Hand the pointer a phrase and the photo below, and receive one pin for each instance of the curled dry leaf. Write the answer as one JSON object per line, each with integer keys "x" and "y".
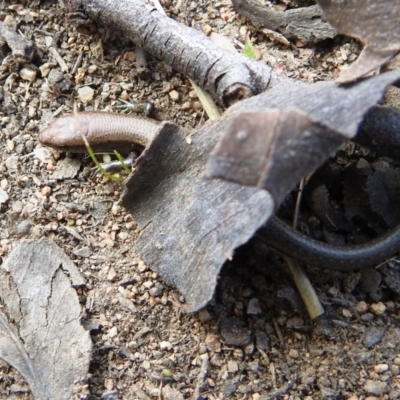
{"x": 262, "y": 148}
{"x": 375, "y": 23}
{"x": 40, "y": 331}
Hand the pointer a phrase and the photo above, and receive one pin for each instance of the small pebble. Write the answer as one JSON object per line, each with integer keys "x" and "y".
{"x": 238, "y": 353}
{"x": 92, "y": 69}
{"x": 362, "y": 163}
{"x": 27, "y": 73}
{"x": 380, "y": 368}
{"x": 204, "y": 316}
{"x": 243, "y": 32}
{"x": 48, "y": 40}
{"x": 45, "y": 69}
{"x": 235, "y": 332}
{"x": 17, "y": 206}
{"x": 249, "y": 348}
{"x": 262, "y": 341}
{"x": 212, "y": 343}
{"x": 378, "y": 308}
{"x": 373, "y": 336}
{"x": 254, "y": 308}
{"x": 148, "y": 284}
{"x": 346, "y": 313}
{"x": 126, "y": 303}
{"x": 113, "y": 332}
{"x": 112, "y": 274}
{"x": 3, "y": 196}
{"x": 174, "y": 95}
{"x": 109, "y": 383}
{"x": 156, "y": 291}
{"x": 146, "y": 364}
{"x": 24, "y": 228}
{"x": 376, "y": 387}
{"x": 233, "y": 366}
{"x": 80, "y": 75}
{"x": 55, "y": 75}
{"x": 207, "y": 30}
{"x": 362, "y": 307}
{"x": 123, "y": 235}
{"x": 85, "y": 94}
{"x": 142, "y": 266}
{"x": 395, "y": 370}
{"x": 45, "y": 191}
{"x": 10, "y": 145}
{"x": 186, "y": 106}
{"x": 333, "y": 291}
{"x": 229, "y": 388}
{"x": 165, "y": 346}
{"x": 12, "y": 163}
{"x": 108, "y": 242}
{"x": 294, "y": 322}
{"x": 294, "y": 353}
{"x": 367, "y": 317}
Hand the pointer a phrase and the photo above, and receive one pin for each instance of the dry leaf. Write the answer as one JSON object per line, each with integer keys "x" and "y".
{"x": 40, "y": 331}
{"x": 375, "y": 23}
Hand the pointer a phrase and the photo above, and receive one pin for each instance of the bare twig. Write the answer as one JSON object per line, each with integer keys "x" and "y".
{"x": 306, "y": 24}
{"x": 228, "y": 77}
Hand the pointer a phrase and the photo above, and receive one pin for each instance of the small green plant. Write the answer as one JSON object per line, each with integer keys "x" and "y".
{"x": 248, "y": 50}
{"x": 93, "y": 157}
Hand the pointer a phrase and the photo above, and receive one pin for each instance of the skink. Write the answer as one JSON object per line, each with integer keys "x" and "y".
{"x": 104, "y": 132}
{"x": 282, "y": 237}
{"x": 108, "y": 132}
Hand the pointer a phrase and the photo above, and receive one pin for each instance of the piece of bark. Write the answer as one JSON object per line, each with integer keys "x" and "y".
{"x": 306, "y": 23}
{"x": 40, "y": 331}
{"x": 375, "y": 23}
{"x": 271, "y": 149}
{"x": 278, "y": 153}
{"x": 228, "y": 77}
{"x": 188, "y": 248}
{"x": 191, "y": 225}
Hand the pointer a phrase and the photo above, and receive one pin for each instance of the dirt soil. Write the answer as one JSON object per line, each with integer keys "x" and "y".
{"x": 352, "y": 353}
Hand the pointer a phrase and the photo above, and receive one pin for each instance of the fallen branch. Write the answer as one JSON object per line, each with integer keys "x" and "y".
{"x": 228, "y": 77}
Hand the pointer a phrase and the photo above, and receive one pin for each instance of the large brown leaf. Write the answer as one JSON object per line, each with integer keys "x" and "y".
{"x": 375, "y": 23}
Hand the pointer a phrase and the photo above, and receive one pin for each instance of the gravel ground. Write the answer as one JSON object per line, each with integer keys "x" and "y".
{"x": 254, "y": 340}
